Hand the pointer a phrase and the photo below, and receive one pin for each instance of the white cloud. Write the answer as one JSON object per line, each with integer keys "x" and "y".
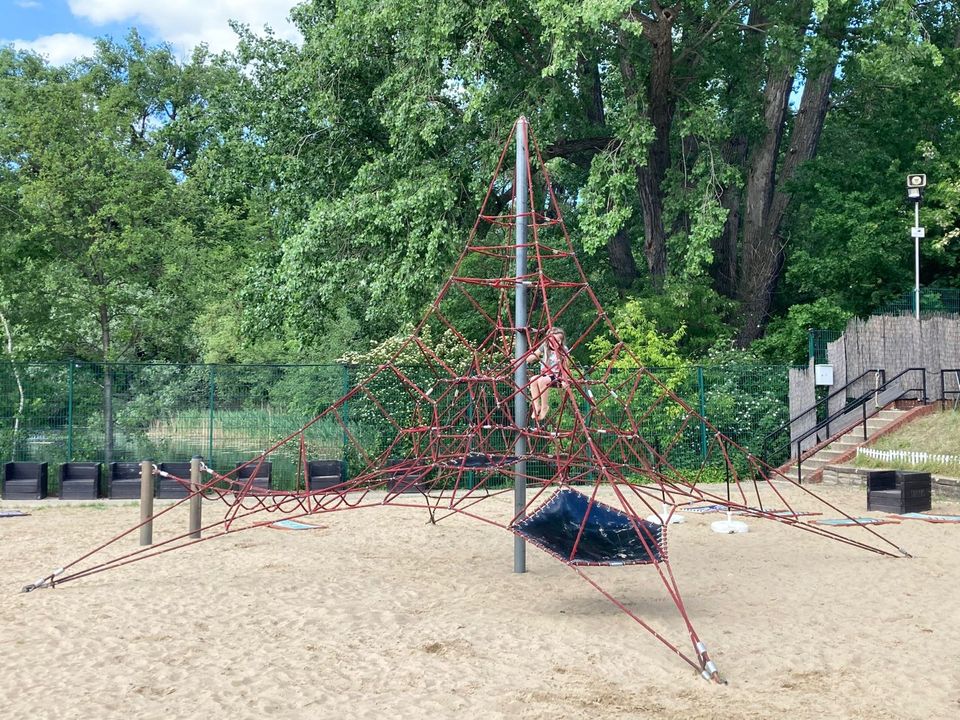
{"x": 187, "y": 23}
{"x": 28, "y": 4}
{"x": 59, "y": 48}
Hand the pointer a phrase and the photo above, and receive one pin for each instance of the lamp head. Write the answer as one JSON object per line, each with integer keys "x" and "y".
{"x": 915, "y": 185}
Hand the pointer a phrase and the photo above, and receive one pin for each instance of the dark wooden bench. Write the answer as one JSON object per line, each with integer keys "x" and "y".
{"x": 168, "y": 487}
{"x": 324, "y": 474}
{"x": 123, "y": 480}
{"x": 24, "y": 481}
{"x": 897, "y": 491}
{"x": 262, "y": 474}
{"x": 80, "y": 481}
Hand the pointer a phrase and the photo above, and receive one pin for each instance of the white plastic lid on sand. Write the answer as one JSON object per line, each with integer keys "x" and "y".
{"x": 675, "y": 519}
{"x": 729, "y": 526}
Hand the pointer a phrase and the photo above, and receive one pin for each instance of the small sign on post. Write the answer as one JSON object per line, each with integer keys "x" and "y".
{"x": 915, "y": 184}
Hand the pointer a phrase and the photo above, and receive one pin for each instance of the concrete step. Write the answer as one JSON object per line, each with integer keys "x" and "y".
{"x": 890, "y": 413}
{"x": 845, "y": 443}
{"x": 792, "y": 474}
{"x": 872, "y": 424}
{"x": 832, "y": 453}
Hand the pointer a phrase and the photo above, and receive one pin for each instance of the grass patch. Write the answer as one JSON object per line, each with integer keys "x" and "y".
{"x": 936, "y": 434}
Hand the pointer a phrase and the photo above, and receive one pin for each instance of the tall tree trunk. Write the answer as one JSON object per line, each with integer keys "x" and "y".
{"x": 761, "y": 259}
{"x": 661, "y": 104}
{"x": 763, "y": 240}
{"x": 619, "y": 247}
{"x": 659, "y": 107}
{"x": 804, "y": 140}
{"x": 735, "y": 152}
{"x": 762, "y": 256}
{"x": 8, "y": 335}
{"x": 725, "y": 245}
{"x": 591, "y": 90}
{"x": 622, "y": 262}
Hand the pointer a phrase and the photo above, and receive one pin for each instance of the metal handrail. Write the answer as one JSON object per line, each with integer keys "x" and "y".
{"x": 879, "y": 372}
{"x": 862, "y": 403}
{"x": 943, "y": 386}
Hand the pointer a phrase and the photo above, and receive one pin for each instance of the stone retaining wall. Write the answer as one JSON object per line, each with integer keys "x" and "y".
{"x": 943, "y": 488}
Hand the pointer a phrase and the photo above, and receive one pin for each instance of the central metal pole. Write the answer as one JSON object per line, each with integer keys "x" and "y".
{"x": 916, "y": 259}
{"x": 520, "y": 345}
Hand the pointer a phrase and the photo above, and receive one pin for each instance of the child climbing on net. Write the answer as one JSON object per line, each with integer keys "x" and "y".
{"x": 553, "y": 355}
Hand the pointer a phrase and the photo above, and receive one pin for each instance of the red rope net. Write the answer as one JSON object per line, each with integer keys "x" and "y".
{"x": 437, "y": 430}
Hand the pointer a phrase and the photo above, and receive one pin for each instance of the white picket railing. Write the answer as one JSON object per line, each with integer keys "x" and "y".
{"x": 908, "y": 456}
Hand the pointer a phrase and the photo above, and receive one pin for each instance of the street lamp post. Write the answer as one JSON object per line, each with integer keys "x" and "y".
{"x": 915, "y": 186}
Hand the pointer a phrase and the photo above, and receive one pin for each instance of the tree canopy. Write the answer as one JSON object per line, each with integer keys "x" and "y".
{"x": 733, "y": 168}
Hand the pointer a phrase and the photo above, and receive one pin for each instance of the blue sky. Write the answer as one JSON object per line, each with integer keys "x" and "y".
{"x": 64, "y": 29}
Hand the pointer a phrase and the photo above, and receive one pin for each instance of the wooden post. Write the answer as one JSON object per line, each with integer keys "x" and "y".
{"x": 195, "y": 497}
{"x": 146, "y": 502}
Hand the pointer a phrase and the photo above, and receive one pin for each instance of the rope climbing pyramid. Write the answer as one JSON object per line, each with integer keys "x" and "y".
{"x": 486, "y": 398}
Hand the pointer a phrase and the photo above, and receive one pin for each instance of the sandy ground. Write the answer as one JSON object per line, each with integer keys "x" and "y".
{"x": 382, "y": 615}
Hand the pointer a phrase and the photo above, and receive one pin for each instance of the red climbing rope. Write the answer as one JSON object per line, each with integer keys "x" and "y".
{"x": 439, "y": 433}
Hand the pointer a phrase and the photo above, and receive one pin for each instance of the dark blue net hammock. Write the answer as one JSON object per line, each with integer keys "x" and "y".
{"x": 610, "y": 537}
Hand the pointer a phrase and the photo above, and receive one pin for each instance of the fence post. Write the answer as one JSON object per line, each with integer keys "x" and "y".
{"x": 345, "y": 388}
{"x": 196, "y": 496}
{"x": 70, "y": 410}
{"x": 146, "y": 502}
{"x": 213, "y": 397}
{"x": 701, "y": 393}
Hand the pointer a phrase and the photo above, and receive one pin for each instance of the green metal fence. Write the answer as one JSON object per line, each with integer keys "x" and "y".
{"x": 817, "y": 341}
{"x": 933, "y": 301}
{"x": 60, "y": 412}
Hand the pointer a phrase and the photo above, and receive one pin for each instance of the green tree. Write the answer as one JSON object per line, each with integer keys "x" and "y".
{"x": 97, "y": 220}
{"x": 675, "y": 132}
{"x": 895, "y": 111}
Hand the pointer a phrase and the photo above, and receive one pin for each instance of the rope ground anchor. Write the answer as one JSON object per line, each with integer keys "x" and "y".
{"x": 709, "y": 669}
{"x": 46, "y": 581}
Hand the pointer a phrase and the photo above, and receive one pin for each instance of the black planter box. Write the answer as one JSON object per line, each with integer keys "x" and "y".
{"x": 262, "y": 481}
{"x": 123, "y": 480}
{"x": 324, "y": 474}
{"x": 170, "y": 488}
{"x": 24, "y": 481}
{"x": 896, "y": 491}
{"x": 80, "y": 481}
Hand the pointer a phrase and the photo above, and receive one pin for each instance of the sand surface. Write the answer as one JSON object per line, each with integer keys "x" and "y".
{"x": 382, "y": 615}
